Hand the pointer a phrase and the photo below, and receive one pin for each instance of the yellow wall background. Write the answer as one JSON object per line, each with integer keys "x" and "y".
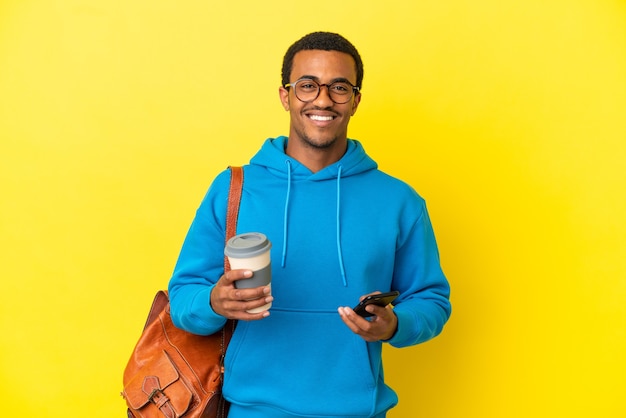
{"x": 507, "y": 116}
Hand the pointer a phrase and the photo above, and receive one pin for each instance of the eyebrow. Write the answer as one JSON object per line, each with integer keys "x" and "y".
{"x": 334, "y": 80}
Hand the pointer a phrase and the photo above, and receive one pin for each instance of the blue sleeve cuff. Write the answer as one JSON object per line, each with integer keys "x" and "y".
{"x": 200, "y": 318}
{"x": 403, "y": 332}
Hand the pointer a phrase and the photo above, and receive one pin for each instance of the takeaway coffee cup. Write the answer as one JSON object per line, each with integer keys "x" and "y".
{"x": 251, "y": 251}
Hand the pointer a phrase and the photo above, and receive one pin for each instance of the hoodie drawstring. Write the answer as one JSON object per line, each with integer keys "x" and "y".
{"x": 285, "y": 216}
{"x": 341, "y": 266}
{"x": 338, "y": 217}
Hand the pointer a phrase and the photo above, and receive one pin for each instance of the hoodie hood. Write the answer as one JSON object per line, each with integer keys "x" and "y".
{"x": 272, "y": 156}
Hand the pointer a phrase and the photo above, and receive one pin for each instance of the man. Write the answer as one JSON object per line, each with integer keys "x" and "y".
{"x": 340, "y": 229}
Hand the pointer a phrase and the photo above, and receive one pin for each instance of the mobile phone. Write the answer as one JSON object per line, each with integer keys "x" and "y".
{"x": 381, "y": 299}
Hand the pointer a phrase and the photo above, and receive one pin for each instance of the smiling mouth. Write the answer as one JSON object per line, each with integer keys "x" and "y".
{"x": 321, "y": 118}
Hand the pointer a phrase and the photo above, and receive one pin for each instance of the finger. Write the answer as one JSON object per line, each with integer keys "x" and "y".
{"x": 230, "y": 277}
{"x": 245, "y": 310}
{"x": 355, "y": 322}
{"x": 376, "y": 310}
{"x": 241, "y": 300}
{"x": 247, "y": 316}
{"x": 346, "y": 317}
{"x": 369, "y": 294}
{"x": 252, "y": 293}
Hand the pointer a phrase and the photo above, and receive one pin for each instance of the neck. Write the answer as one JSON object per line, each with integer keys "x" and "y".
{"x": 314, "y": 158}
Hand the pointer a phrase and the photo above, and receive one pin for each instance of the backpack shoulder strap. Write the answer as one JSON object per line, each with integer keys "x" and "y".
{"x": 234, "y": 198}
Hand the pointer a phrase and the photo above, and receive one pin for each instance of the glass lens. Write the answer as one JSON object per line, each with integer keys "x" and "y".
{"x": 306, "y": 90}
{"x": 340, "y": 92}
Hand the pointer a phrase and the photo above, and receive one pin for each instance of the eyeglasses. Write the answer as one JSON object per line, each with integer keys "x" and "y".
{"x": 307, "y": 90}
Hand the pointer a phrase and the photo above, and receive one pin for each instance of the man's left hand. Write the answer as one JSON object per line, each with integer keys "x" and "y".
{"x": 381, "y": 326}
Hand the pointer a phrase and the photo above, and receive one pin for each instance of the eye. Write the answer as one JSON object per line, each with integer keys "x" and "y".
{"x": 307, "y": 85}
{"x": 341, "y": 88}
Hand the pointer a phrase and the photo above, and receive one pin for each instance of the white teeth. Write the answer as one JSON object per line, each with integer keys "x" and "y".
{"x": 321, "y": 118}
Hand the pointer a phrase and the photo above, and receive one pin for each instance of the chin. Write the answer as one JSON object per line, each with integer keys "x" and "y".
{"x": 319, "y": 142}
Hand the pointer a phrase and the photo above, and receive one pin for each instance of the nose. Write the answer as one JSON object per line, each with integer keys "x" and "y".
{"x": 323, "y": 98}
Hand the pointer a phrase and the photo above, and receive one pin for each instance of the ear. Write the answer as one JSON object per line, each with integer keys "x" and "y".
{"x": 283, "y": 93}
{"x": 355, "y": 103}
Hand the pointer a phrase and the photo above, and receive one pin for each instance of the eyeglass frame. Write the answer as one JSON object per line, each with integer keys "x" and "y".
{"x": 355, "y": 89}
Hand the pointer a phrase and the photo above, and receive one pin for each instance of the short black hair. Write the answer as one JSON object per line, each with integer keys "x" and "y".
{"x": 324, "y": 41}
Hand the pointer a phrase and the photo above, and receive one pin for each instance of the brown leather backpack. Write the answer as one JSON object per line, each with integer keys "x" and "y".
{"x": 173, "y": 373}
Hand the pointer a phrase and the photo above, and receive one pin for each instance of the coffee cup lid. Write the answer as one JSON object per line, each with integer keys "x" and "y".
{"x": 245, "y": 245}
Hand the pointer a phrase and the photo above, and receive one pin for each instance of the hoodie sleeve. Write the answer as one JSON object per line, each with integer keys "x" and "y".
{"x": 200, "y": 264}
{"x": 424, "y": 303}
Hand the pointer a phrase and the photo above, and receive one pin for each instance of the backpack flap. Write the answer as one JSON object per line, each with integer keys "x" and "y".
{"x": 158, "y": 384}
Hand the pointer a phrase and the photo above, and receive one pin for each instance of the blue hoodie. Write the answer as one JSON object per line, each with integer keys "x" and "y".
{"x": 336, "y": 235}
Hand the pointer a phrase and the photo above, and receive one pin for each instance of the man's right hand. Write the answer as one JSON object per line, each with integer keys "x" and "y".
{"x": 233, "y": 303}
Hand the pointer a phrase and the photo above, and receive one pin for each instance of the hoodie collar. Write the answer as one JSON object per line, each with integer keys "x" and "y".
{"x": 272, "y": 156}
